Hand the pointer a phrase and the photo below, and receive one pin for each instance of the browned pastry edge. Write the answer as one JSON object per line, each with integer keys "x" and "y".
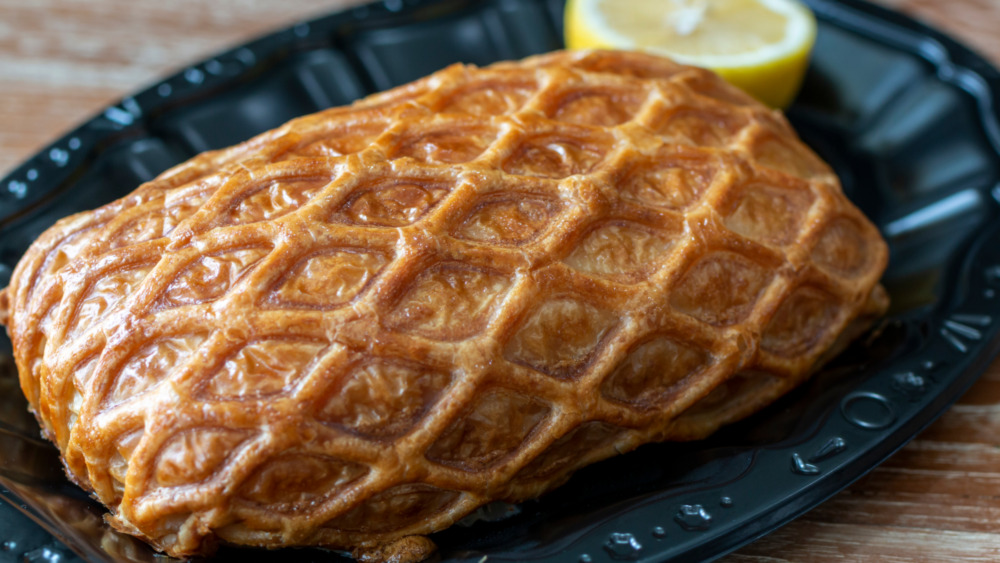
{"x": 409, "y": 549}
{"x": 4, "y": 307}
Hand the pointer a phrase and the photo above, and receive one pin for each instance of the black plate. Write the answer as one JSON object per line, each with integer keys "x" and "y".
{"x": 906, "y": 115}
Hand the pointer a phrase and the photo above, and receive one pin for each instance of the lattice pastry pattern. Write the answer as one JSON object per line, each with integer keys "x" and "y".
{"x": 369, "y": 322}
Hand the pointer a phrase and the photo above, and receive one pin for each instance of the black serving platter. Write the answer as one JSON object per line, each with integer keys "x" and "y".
{"x": 907, "y": 116}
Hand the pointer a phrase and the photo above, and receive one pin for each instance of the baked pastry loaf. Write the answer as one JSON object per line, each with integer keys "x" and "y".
{"x": 357, "y": 328}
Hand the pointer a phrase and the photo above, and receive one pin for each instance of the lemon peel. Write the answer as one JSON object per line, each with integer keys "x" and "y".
{"x": 761, "y": 46}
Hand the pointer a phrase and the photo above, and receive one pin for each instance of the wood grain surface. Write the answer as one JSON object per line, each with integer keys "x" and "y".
{"x": 938, "y": 499}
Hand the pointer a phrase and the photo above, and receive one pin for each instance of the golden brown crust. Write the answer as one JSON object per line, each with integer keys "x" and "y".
{"x": 359, "y": 327}
{"x": 4, "y": 307}
{"x": 409, "y": 549}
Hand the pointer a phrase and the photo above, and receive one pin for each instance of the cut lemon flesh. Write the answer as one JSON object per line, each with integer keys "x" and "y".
{"x": 761, "y": 46}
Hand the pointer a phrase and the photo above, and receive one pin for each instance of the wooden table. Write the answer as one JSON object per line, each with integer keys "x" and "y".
{"x": 938, "y": 499}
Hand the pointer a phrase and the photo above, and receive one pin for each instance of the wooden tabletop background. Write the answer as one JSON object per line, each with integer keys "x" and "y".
{"x": 938, "y": 499}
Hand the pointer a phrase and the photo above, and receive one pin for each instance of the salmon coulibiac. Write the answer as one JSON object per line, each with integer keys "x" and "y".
{"x": 358, "y": 328}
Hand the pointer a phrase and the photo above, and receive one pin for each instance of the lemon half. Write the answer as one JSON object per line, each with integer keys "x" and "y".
{"x": 761, "y": 46}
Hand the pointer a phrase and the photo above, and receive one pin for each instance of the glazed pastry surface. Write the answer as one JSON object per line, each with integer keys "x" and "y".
{"x": 356, "y": 329}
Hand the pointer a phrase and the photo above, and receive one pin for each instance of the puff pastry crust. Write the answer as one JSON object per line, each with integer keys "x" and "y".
{"x": 356, "y": 329}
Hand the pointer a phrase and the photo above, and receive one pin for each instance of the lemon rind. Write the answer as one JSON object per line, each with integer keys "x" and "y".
{"x": 800, "y": 34}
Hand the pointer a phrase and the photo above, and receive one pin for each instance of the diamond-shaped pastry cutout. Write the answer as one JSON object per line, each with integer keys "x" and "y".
{"x": 559, "y": 337}
{"x": 776, "y": 153}
{"x": 329, "y": 279}
{"x": 262, "y": 368}
{"x": 119, "y": 461}
{"x": 194, "y": 455}
{"x": 381, "y": 398}
{"x": 598, "y": 107}
{"x": 393, "y": 203}
{"x": 799, "y": 323}
{"x": 395, "y": 509}
{"x": 650, "y": 370}
{"x": 703, "y": 127}
{"x": 669, "y": 180}
{"x": 510, "y": 218}
{"x": 496, "y": 425}
{"x": 489, "y": 98}
{"x": 82, "y": 373}
{"x": 453, "y": 144}
{"x": 349, "y": 138}
{"x": 619, "y": 250}
{"x": 711, "y": 85}
{"x": 298, "y": 481}
{"x": 69, "y": 248}
{"x": 272, "y": 200}
{"x": 449, "y": 302}
{"x": 625, "y": 63}
{"x": 151, "y": 365}
{"x": 210, "y": 277}
{"x": 842, "y": 249}
{"x": 769, "y": 214}
{"x": 555, "y": 156}
{"x": 563, "y": 453}
{"x": 106, "y": 294}
{"x": 720, "y": 289}
{"x": 161, "y": 222}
